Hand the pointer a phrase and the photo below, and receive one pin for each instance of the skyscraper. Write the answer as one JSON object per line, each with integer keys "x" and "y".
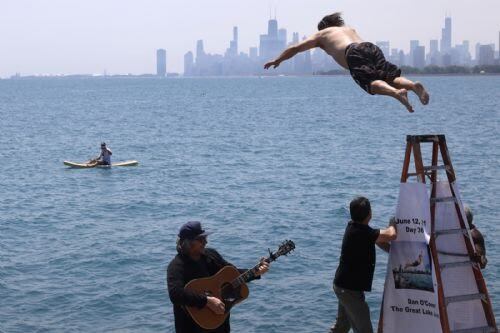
{"x": 446, "y": 36}
{"x": 413, "y": 46}
{"x": 499, "y": 45}
{"x": 402, "y": 58}
{"x": 433, "y": 52}
{"x": 235, "y": 39}
{"x": 394, "y": 58}
{"x": 200, "y": 52}
{"x": 161, "y": 62}
{"x": 232, "y": 51}
{"x": 272, "y": 28}
{"x": 462, "y": 52}
{"x": 188, "y": 63}
{"x": 271, "y": 44}
{"x": 385, "y": 47}
{"x": 476, "y": 52}
{"x": 486, "y": 55}
{"x": 282, "y": 35}
{"x": 433, "y": 47}
{"x": 302, "y": 62}
{"x": 419, "y": 57}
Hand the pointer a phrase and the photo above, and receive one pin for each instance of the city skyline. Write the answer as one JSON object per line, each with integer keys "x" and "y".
{"x": 441, "y": 52}
{"x": 119, "y": 37}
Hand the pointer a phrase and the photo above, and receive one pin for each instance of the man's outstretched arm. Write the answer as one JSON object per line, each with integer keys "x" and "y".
{"x": 305, "y": 45}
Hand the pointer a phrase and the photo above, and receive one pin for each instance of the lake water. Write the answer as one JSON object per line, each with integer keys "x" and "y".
{"x": 257, "y": 160}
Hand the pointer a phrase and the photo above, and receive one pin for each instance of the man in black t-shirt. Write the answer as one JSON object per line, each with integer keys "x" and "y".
{"x": 355, "y": 271}
{"x": 194, "y": 261}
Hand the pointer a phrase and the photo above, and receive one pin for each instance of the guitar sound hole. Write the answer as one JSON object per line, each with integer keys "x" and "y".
{"x": 230, "y": 295}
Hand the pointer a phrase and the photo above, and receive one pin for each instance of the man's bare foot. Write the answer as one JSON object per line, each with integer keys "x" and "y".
{"x": 421, "y": 93}
{"x": 402, "y": 96}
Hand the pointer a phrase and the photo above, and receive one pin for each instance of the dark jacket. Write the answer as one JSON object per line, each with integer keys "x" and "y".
{"x": 183, "y": 269}
{"x": 478, "y": 240}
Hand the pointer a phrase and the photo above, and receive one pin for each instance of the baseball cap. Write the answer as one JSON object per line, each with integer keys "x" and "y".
{"x": 192, "y": 230}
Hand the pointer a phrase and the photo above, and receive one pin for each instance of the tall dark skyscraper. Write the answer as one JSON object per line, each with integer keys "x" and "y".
{"x": 271, "y": 44}
{"x": 272, "y": 28}
{"x": 161, "y": 62}
{"x": 446, "y": 36}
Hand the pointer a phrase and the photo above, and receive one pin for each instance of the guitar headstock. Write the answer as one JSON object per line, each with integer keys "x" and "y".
{"x": 286, "y": 247}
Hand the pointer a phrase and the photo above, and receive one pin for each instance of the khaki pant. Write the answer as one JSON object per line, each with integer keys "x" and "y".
{"x": 353, "y": 312}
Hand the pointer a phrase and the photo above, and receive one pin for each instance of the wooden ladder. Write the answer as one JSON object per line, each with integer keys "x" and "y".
{"x": 422, "y": 172}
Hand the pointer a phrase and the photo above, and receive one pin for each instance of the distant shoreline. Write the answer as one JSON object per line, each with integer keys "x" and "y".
{"x": 84, "y": 76}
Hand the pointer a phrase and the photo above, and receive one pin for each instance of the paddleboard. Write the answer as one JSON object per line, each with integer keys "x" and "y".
{"x": 93, "y": 165}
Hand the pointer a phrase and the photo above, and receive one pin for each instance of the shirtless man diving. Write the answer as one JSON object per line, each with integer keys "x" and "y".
{"x": 415, "y": 263}
{"x": 364, "y": 60}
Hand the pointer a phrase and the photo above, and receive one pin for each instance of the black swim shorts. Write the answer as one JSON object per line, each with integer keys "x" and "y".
{"x": 367, "y": 63}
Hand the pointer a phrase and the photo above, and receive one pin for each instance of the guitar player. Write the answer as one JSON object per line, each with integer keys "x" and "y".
{"x": 194, "y": 261}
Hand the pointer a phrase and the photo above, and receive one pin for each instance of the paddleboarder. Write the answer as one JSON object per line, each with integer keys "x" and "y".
{"x": 105, "y": 157}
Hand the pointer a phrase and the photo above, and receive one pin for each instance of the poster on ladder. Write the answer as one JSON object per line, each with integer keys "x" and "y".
{"x": 410, "y": 302}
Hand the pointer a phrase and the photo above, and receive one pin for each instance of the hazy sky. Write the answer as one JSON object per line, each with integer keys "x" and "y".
{"x": 121, "y": 36}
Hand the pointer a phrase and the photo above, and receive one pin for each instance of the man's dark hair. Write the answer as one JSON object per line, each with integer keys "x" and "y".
{"x": 332, "y": 20}
{"x": 183, "y": 246}
{"x": 360, "y": 208}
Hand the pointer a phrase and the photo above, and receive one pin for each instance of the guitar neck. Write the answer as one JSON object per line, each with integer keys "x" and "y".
{"x": 250, "y": 274}
{"x": 285, "y": 248}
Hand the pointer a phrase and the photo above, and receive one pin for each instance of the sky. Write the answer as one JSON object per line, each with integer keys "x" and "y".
{"x": 121, "y": 36}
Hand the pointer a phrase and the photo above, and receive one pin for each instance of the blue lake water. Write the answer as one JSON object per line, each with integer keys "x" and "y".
{"x": 256, "y": 160}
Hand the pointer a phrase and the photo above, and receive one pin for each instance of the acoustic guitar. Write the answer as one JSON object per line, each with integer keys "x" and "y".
{"x": 229, "y": 286}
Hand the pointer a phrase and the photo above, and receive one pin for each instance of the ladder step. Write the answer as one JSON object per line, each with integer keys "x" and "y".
{"x": 464, "y": 298}
{"x": 456, "y": 264}
{"x": 450, "y": 232}
{"x": 453, "y": 254}
{"x": 425, "y": 138}
{"x": 435, "y": 167}
{"x": 484, "y": 329}
{"x": 443, "y": 199}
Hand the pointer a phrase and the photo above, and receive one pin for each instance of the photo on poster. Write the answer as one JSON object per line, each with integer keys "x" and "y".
{"x": 411, "y": 266}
